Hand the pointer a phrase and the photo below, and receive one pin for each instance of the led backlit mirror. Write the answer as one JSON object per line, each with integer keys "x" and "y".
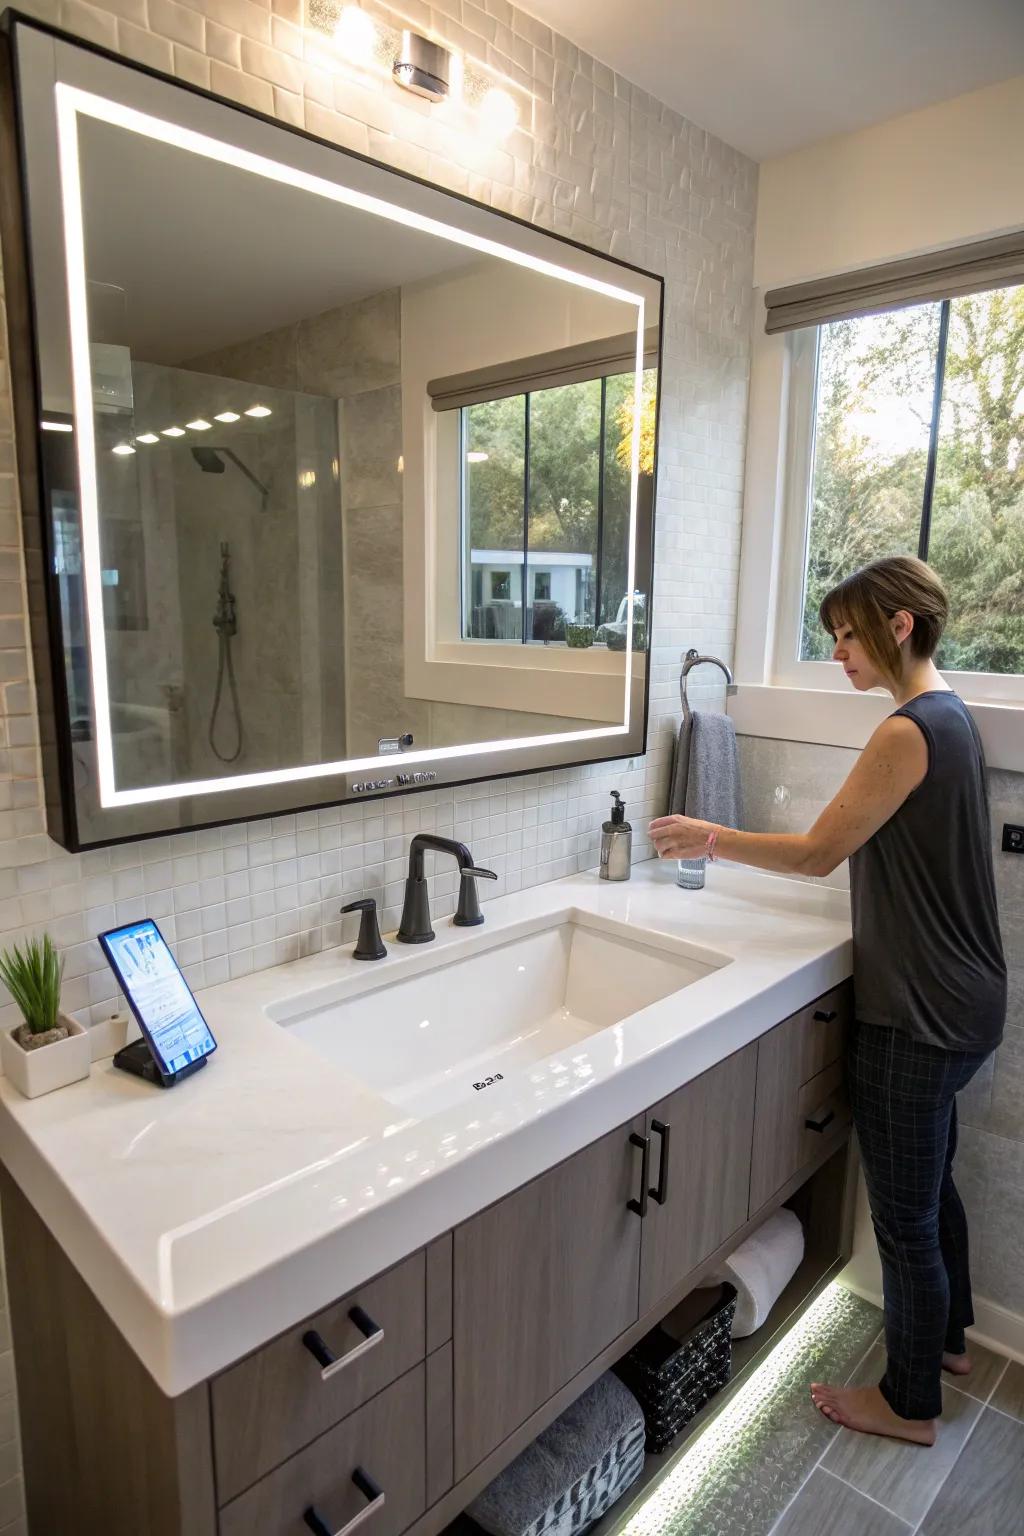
{"x": 347, "y": 483}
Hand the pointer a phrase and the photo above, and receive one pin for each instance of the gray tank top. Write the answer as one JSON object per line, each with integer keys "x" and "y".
{"x": 927, "y": 955}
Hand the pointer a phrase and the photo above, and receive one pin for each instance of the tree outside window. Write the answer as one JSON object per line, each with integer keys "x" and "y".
{"x": 919, "y": 448}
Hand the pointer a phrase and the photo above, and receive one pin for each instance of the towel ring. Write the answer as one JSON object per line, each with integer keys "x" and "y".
{"x": 694, "y": 659}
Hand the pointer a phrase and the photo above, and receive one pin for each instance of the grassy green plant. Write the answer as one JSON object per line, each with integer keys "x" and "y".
{"x": 33, "y": 976}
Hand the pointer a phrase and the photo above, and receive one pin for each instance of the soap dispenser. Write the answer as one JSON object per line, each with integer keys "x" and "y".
{"x": 616, "y": 842}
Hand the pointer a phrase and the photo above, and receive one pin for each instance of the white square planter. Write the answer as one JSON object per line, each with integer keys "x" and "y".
{"x": 52, "y": 1066}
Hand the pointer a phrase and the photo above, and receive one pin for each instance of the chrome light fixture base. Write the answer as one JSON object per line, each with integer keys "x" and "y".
{"x": 423, "y": 67}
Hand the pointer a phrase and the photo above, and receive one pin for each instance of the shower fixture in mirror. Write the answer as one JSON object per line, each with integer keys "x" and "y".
{"x": 335, "y": 483}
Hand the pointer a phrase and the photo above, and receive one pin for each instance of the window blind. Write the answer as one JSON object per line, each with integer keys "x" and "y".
{"x": 568, "y": 365}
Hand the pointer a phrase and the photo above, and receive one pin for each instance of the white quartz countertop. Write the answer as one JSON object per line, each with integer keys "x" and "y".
{"x": 210, "y": 1217}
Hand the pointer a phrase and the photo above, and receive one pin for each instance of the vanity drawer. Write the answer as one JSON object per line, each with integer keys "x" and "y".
{"x": 382, "y": 1442}
{"x": 283, "y": 1396}
{"x": 799, "y": 1072}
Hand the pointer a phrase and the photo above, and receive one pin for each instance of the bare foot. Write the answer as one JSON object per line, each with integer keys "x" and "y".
{"x": 865, "y": 1409}
{"x": 957, "y": 1365}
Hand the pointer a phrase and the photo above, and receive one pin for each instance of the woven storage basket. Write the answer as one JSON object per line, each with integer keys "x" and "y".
{"x": 673, "y": 1377}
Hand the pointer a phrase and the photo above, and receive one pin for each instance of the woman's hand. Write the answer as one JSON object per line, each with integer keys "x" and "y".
{"x": 680, "y": 837}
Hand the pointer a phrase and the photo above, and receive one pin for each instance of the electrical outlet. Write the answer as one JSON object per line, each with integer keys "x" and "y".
{"x": 1013, "y": 838}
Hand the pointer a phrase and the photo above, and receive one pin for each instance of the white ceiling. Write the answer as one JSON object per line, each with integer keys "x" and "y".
{"x": 769, "y": 76}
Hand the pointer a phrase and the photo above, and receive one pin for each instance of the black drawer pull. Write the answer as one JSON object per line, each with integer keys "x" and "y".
{"x": 644, "y": 1143}
{"x": 660, "y": 1194}
{"x": 330, "y": 1363}
{"x": 820, "y": 1122}
{"x": 366, "y": 1485}
{"x": 824, "y": 1016}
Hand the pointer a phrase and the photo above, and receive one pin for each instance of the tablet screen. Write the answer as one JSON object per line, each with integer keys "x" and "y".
{"x": 160, "y": 998}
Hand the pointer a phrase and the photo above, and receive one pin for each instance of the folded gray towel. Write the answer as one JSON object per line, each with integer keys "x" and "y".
{"x": 572, "y": 1472}
{"x": 680, "y": 769}
{"x": 713, "y": 771}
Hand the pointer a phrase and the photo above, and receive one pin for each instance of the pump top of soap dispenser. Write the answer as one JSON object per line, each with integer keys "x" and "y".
{"x": 618, "y": 815}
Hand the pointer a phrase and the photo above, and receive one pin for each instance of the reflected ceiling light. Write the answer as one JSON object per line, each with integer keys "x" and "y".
{"x": 307, "y": 479}
{"x": 356, "y": 36}
{"x": 147, "y": 437}
{"x": 199, "y": 425}
{"x": 498, "y": 114}
{"x": 122, "y": 448}
{"x": 227, "y": 416}
{"x": 71, "y": 102}
{"x": 259, "y": 410}
{"x": 477, "y": 456}
{"x": 172, "y": 432}
{"x": 56, "y": 426}
{"x": 400, "y": 466}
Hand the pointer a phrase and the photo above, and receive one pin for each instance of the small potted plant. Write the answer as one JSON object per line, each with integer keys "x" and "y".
{"x": 579, "y": 636}
{"x": 49, "y": 1049}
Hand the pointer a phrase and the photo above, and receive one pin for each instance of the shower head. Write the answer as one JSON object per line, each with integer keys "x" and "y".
{"x": 211, "y": 462}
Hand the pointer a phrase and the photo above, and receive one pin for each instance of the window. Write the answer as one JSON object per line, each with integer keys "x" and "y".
{"x": 545, "y": 495}
{"x": 918, "y": 447}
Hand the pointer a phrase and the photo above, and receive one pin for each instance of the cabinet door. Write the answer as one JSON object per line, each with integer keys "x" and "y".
{"x": 543, "y": 1281}
{"x": 700, "y": 1172}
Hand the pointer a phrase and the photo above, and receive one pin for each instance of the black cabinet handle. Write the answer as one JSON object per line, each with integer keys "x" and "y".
{"x": 660, "y": 1193}
{"x": 368, "y": 1488}
{"x": 330, "y": 1363}
{"x": 644, "y": 1143}
{"x": 820, "y": 1122}
{"x": 824, "y": 1016}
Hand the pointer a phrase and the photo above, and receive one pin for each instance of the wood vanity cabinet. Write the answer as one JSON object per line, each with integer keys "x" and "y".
{"x": 425, "y": 1382}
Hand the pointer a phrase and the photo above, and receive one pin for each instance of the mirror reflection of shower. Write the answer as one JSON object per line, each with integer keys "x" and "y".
{"x": 225, "y": 622}
{"x": 211, "y": 462}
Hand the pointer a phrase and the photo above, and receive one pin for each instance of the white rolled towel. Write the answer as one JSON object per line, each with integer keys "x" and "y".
{"x": 761, "y": 1268}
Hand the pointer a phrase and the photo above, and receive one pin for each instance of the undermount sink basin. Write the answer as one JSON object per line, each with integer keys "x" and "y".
{"x": 427, "y": 1041}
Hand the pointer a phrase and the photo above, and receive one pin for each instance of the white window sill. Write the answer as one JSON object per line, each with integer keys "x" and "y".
{"x": 828, "y": 718}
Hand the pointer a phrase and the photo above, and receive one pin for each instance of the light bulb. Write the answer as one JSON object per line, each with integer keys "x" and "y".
{"x": 356, "y": 35}
{"x": 227, "y": 416}
{"x": 259, "y": 410}
{"x": 498, "y": 114}
{"x": 147, "y": 437}
{"x": 172, "y": 431}
{"x": 199, "y": 425}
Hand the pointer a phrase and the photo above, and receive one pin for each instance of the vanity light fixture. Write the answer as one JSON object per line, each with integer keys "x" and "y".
{"x": 477, "y": 456}
{"x": 122, "y": 449}
{"x": 56, "y": 426}
{"x": 71, "y": 102}
{"x": 199, "y": 425}
{"x": 423, "y": 67}
{"x": 227, "y": 416}
{"x": 147, "y": 437}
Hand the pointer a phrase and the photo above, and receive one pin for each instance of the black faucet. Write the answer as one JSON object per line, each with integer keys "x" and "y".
{"x": 416, "y": 927}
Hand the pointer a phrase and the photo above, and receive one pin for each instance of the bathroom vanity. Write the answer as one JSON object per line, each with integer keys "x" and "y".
{"x": 292, "y": 1290}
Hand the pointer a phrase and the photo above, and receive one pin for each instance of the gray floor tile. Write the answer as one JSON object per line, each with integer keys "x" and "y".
{"x": 1009, "y": 1395}
{"x": 903, "y": 1477}
{"x": 984, "y": 1493}
{"x": 740, "y": 1474}
{"x": 988, "y": 1367}
{"x": 826, "y": 1504}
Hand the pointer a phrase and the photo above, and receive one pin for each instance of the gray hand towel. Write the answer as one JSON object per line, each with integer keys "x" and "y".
{"x": 680, "y": 770}
{"x": 712, "y": 771}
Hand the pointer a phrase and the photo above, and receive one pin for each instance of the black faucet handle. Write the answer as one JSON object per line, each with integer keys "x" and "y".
{"x": 369, "y": 945}
{"x": 469, "y": 914}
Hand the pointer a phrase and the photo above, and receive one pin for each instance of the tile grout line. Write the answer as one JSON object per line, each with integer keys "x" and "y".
{"x": 870, "y": 1498}
{"x": 982, "y": 1405}
{"x": 789, "y": 1505}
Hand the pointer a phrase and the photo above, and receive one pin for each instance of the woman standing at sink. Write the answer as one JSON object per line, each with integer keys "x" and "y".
{"x": 929, "y": 975}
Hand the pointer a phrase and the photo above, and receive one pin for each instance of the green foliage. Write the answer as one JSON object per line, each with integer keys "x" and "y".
{"x": 33, "y": 976}
{"x": 867, "y": 502}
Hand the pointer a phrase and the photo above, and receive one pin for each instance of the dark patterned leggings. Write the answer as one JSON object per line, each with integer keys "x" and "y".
{"x": 902, "y": 1093}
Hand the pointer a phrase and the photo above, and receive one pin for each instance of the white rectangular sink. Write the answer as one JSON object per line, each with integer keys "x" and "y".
{"x": 445, "y": 1034}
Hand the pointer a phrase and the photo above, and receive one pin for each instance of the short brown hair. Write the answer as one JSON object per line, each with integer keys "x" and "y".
{"x": 871, "y": 597}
